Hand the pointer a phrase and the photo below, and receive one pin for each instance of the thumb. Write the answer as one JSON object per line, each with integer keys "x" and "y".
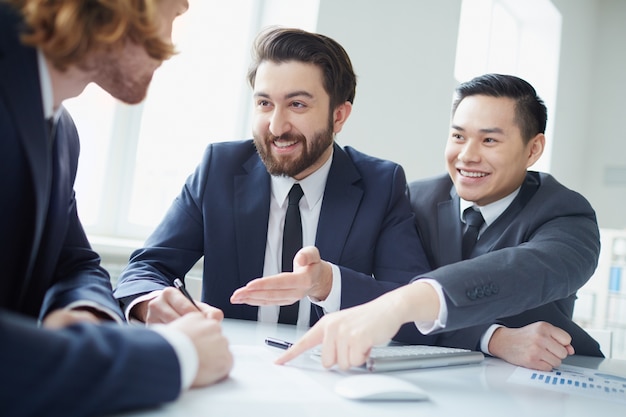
{"x": 306, "y": 256}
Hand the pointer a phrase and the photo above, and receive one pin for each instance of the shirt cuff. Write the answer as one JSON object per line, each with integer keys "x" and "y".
{"x": 333, "y": 301}
{"x": 427, "y": 327}
{"x": 86, "y": 303}
{"x": 145, "y": 297}
{"x": 185, "y": 352}
{"x": 484, "y": 340}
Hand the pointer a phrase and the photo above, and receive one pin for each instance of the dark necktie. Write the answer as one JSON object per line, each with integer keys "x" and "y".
{"x": 292, "y": 243}
{"x": 474, "y": 221}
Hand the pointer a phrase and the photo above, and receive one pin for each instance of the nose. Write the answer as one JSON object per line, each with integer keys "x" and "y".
{"x": 279, "y": 123}
{"x": 469, "y": 152}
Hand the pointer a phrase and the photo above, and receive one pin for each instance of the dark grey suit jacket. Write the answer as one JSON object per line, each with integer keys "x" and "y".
{"x": 526, "y": 266}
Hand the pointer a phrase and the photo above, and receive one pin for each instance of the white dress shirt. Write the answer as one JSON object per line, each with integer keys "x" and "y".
{"x": 310, "y": 207}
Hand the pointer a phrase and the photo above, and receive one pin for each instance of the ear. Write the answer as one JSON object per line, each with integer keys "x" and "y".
{"x": 535, "y": 148}
{"x": 340, "y": 115}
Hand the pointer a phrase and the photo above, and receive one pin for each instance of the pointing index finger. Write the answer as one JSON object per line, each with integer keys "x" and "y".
{"x": 311, "y": 339}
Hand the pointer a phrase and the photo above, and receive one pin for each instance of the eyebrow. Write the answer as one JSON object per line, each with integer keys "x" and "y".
{"x": 485, "y": 130}
{"x": 287, "y": 96}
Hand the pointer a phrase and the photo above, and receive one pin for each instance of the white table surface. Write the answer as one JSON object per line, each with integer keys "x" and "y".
{"x": 257, "y": 387}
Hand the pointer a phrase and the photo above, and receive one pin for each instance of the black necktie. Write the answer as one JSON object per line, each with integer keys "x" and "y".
{"x": 292, "y": 243}
{"x": 474, "y": 221}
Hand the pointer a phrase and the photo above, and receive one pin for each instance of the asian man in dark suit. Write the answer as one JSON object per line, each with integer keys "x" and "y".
{"x": 538, "y": 244}
{"x": 75, "y": 366}
{"x": 354, "y": 212}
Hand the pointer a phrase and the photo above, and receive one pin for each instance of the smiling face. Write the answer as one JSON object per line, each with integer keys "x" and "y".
{"x": 485, "y": 154}
{"x": 293, "y": 127}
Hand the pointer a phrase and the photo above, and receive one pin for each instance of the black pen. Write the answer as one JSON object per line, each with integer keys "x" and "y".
{"x": 179, "y": 284}
{"x": 281, "y": 344}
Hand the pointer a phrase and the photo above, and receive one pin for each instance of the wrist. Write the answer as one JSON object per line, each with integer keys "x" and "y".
{"x": 418, "y": 302}
{"x": 493, "y": 346}
{"x": 321, "y": 290}
{"x": 139, "y": 311}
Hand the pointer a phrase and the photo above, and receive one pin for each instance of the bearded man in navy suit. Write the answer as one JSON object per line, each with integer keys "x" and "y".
{"x": 356, "y": 218}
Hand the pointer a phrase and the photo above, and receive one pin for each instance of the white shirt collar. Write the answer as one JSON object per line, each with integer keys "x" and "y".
{"x": 491, "y": 211}
{"x": 312, "y": 186}
{"x": 46, "y": 86}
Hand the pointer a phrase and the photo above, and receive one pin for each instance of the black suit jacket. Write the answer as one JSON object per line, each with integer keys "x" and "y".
{"x": 47, "y": 263}
{"x": 526, "y": 266}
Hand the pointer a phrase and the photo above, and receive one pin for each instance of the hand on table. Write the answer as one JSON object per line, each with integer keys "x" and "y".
{"x": 169, "y": 305}
{"x": 216, "y": 360}
{"x": 539, "y": 345}
{"x": 311, "y": 276}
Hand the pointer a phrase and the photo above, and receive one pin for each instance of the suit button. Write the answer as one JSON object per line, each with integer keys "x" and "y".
{"x": 471, "y": 294}
{"x": 494, "y": 288}
{"x": 487, "y": 290}
{"x": 479, "y": 292}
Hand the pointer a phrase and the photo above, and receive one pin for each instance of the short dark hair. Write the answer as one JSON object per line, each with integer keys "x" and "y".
{"x": 278, "y": 45}
{"x": 531, "y": 114}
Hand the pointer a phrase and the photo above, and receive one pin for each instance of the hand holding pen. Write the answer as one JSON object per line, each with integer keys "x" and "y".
{"x": 208, "y": 311}
{"x": 179, "y": 284}
{"x": 168, "y": 305}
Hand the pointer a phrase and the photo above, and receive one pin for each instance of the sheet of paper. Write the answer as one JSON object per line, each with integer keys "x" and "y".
{"x": 257, "y": 385}
{"x": 574, "y": 380}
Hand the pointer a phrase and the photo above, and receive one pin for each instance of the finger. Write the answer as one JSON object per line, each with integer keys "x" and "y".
{"x": 306, "y": 256}
{"x": 557, "y": 347}
{"x": 283, "y": 281}
{"x": 161, "y": 309}
{"x": 341, "y": 350}
{"x": 552, "y": 361}
{"x": 310, "y": 339}
{"x": 358, "y": 357}
{"x": 179, "y": 303}
{"x": 211, "y": 312}
{"x": 561, "y": 336}
{"x": 261, "y": 298}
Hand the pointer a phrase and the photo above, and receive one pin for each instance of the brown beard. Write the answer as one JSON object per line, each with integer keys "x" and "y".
{"x": 312, "y": 151}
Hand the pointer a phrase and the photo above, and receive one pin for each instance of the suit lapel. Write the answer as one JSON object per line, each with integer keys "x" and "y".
{"x": 342, "y": 198}
{"x": 490, "y": 236}
{"x": 252, "y": 207}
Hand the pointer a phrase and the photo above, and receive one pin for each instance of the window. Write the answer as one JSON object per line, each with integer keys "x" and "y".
{"x": 134, "y": 159}
{"x": 517, "y": 38}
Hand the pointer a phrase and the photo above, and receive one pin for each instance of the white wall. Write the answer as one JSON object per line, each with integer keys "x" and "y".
{"x": 403, "y": 52}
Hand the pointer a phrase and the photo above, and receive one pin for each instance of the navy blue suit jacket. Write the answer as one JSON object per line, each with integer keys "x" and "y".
{"x": 526, "y": 266}
{"x": 365, "y": 227}
{"x": 47, "y": 264}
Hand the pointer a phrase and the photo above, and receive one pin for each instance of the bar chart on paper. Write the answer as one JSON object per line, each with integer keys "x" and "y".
{"x": 574, "y": 380}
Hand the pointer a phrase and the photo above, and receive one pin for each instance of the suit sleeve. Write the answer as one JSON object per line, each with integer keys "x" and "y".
{"x": 558, "y": 254}
{"x": 398, "y": 254}
{"x": 78, "y": 275}
{"x": 83, "y": 369}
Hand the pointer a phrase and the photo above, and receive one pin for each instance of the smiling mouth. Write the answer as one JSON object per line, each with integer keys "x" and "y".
{"x": 284, "y": 144}
{"x": 472, "y": 174}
